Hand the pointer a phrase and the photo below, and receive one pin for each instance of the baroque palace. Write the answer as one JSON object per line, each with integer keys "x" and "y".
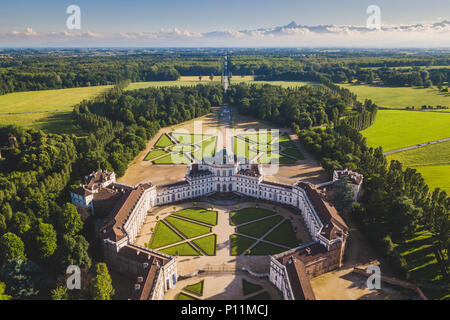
{"x": 125, "y": 208}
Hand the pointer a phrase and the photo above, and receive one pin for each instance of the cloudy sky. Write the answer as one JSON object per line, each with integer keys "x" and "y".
{"x": 240, "y": 23}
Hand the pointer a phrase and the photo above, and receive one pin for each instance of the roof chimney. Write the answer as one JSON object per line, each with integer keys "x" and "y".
{"x": 137, "y": 286}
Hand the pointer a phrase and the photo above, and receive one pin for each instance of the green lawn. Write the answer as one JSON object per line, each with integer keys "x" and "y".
{"x": 47, "y": 100}
{"x": 394, "y": 129}
{"x": 60, "y": 122}
{"x": 285, "y": 141}
{"x": 294, "y": 153}
{"x": 207, "y": 244}
{"x": 259, "y": 228}
{"x": 248, "y": 214}
{"x": 184, "y": 296}
{"x": 157, "y": 84}
{"x": 400, "y": 97}
{"x": 284, "y": 235}
{"x": 432, "y": 161}
{"x": 154, "y": 154}
{"x": 264, "y": 249}
{"x": 261, "y": 296}
{"x": 189, "y": 229}
{"x": 163, "y": 236}
{"x": 249, "y": 288}
{"x": 239, "y": 244}
{"x": 207, "y": 150}
{"x": 241, "y": 149}
{"x": 163, "y": 141}
{"x": 196, "y": 288}
{"x": 26, "y": 109}
{"x": 199, "y": 214}
{"x": 184, "y": 249}
{"x": 182, "y": 148}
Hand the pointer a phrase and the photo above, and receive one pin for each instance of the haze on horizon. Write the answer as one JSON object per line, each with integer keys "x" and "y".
{"x": 250, "y": 23}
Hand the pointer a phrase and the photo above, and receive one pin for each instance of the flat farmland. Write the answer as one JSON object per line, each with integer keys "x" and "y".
{"x": 395, "y": 129}
{"x": 48, "y": 110}
{"x": 177, "y": 83}
{"x": 400, "y": 97}
{"x": 433, "y": 162}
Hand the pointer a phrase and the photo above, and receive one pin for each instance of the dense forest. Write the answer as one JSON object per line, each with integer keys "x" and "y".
{"x": 303, "y": 107}
{"x": 25, "y": 73}
{"x": 398, "y": 70}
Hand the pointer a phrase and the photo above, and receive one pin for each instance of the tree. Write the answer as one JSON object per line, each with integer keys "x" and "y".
{"x": 42, "y": 240}
{"x": 404, "y": 218}
{"x": 60, "y": 293}
{"x": 101, "y": 285}
{"x": 21, "y": 277}
{"x": 11, "y": 247}
{"x": 3, "y": 295}
{"x": 343, "y": 194}
{"x": 70, "y": 220}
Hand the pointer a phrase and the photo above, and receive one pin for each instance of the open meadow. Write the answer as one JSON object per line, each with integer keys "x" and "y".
{"x": 400, "y": 97}
{"x": 48, "y": 110}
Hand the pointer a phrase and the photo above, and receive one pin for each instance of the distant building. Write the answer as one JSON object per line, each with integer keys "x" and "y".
{"x": 127, "y": 206}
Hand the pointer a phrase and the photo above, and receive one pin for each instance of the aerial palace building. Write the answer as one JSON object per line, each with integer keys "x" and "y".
{"x": 125, "y": 207}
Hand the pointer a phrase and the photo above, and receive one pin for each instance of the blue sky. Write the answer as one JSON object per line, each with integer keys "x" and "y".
{"x": 195, "y": 16}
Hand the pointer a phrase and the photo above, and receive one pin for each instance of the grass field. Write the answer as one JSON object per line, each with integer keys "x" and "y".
{"x": 154, "y": 154}
{"x": 207, "y": 244}
{"x": 395, "y": 129}
{"x": 48, "y": 110}
{"x": 422, "y": 263}
{"x": 259, "y": 228}
{"x": 248, "y": 214}
{"x": 158, "y": 84}
{"x": 432, "y": 161}
{"x": 60, "y": 122}
{"x": 163, "y": 141}
{"x": 196, "y": 288}
{"x": 284, "y": 235}
{"x": 177, "y": 159}
{"x": 163, "y": 236}
{"x": 261, "y": 296}
{"x": 184, "y": 296}
{"x": 189, "y": 229}
{"x": 239, "y": 244}
{"x": 249, "y": 288}
{"x": 47, "y": 100}
{"x": 199, "y": 214}
{"x": 400, "y": 97}
{"x": 294, "y": 153}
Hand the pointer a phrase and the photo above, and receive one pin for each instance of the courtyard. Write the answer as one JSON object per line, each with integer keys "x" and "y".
{"x": 205, "y": 237}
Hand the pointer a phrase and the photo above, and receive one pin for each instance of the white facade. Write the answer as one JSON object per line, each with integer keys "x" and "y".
{"x": 205, "y": 179}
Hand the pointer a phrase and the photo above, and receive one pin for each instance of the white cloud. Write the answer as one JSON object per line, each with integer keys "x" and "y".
{"x": 415, "y": 35}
